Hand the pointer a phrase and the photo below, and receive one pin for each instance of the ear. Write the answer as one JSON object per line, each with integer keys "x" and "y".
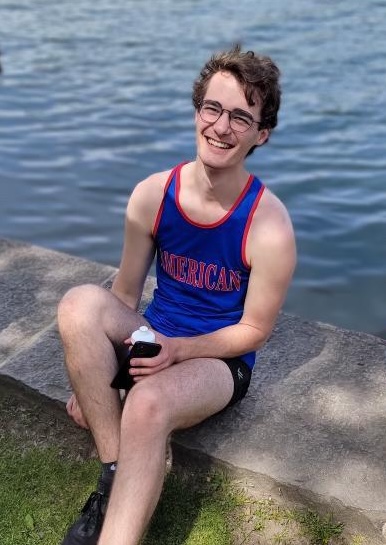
{"x": 262, "y": 137}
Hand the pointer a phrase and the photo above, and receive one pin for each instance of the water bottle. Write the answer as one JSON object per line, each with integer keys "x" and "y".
{"x": 143, "y": 334}
{"x": 143, "y": 346}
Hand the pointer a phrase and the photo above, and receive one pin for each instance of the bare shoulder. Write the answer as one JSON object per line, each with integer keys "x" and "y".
{"x": 147, "y": 195}
{"x": 272, "y": 219}
{"x": 151, "y": 188}
{"x": 271, "y": 232}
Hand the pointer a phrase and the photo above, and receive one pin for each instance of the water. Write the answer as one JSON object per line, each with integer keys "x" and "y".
{"x": 94, "y": 96}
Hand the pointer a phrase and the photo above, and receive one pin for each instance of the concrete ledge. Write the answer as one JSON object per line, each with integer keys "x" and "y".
{"x": 313, "y": 421}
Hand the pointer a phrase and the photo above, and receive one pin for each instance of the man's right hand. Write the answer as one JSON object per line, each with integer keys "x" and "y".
{"x": 75, "y": 412}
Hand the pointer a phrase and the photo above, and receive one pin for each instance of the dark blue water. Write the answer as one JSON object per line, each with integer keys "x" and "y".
{"x": 95, "y": 95}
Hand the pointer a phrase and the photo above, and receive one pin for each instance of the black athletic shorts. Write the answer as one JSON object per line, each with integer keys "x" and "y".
{"x": 241, "y": 374}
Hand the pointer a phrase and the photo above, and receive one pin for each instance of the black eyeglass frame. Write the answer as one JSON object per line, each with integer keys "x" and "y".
{"x": 229, "y": 112}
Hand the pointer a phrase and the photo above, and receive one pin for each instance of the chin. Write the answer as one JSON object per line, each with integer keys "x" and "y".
{"x": 217, "y": 165}
{"x": 216, "y": 158}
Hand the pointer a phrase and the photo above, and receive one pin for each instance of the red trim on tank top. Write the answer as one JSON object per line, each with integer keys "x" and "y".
{"x": 221, "y": 220}
{"x": 161, "y": 206}
{"x": 248, "y": 225}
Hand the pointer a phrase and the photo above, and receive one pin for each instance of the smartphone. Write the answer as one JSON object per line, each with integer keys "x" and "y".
{"x": 141, "y": 349}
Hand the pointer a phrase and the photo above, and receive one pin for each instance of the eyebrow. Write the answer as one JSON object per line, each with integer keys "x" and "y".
{"x": 237, "y": 110}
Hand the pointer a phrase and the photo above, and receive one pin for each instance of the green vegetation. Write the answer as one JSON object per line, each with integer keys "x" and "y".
{"x": 44, "y": 483}
{"x": 39, "y": 493}
{"x": 320, "y": 530}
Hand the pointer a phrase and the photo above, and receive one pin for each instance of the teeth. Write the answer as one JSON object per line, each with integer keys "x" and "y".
{"x": 217, "y": 144}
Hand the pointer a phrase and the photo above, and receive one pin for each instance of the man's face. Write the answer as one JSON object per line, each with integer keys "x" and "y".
{"x": 219, "y": 144}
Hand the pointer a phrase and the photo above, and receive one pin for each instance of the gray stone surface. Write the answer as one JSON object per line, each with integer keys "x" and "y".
{"x": 32, "y": 281}
{"x": 314, "y": 418}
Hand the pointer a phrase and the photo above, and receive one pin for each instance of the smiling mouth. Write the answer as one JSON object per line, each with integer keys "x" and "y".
{"x": 217, "y": 144}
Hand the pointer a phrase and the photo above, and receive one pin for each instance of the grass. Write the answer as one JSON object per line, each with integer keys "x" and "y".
{"x": 319, "y": 529}
{"x": 39, "y": 493}
{"x": 46, "y": 475}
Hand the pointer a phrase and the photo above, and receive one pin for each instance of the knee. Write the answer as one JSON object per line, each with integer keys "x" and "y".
{"x": 146, "y": 407}
{"x": 77, "y": 307}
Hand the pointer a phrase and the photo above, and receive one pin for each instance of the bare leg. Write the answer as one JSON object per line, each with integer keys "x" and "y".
{"x": 177, "y": 397}
{"x": 91, "y": 322}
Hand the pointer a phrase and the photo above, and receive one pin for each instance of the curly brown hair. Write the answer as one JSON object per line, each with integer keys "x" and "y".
{"x": 257, "y": 74}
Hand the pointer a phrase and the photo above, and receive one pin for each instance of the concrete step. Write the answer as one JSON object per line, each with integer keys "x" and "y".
{"x": 312, "y": 425}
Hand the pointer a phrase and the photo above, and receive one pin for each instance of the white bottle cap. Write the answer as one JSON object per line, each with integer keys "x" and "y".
{"x": 143, "y": 334}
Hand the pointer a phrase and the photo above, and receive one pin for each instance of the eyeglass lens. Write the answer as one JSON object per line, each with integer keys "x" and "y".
{"x": 238, "y": 119}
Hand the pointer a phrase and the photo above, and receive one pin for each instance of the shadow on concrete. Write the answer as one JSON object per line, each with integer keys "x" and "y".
{"x": 313, "y": 419}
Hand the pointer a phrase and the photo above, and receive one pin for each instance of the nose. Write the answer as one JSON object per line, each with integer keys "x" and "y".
{"x": 222, "y": 125}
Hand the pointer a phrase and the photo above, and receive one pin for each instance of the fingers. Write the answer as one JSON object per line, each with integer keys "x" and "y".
{"x": 147, "y": 362}
{"x": 143, "y": 367}
{"x": 144, "y": 371}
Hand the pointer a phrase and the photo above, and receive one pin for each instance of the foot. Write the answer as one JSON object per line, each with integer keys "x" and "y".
{"x": 75, "y": 412}
{"x": 86, "y": 530}
{"x": 169, "y": 456}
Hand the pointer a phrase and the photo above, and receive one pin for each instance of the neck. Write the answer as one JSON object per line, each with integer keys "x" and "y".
{"x": 227, "y": 182}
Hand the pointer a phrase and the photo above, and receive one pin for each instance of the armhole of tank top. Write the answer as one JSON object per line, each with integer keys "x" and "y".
{"x": 161, "y": 206}
{"x": 248, "y": 225}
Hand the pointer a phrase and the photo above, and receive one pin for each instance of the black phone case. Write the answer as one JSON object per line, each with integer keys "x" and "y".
{"x": 141, "y": 349}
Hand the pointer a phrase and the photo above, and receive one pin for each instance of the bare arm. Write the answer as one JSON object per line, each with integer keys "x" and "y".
{"x": 271, "y": 252}
{"x": 272, "y": 255}
{"x": 137, "y": 255}
{"x": 138, "y": 247}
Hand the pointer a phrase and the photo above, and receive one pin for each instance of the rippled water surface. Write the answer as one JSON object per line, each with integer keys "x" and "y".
{"x": 94, "y": 96}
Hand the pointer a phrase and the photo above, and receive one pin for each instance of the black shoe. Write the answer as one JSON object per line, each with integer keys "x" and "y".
{"x": 86, "y": 530}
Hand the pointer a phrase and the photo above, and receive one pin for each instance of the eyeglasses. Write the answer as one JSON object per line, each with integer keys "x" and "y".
{"x": 239, "y": 120}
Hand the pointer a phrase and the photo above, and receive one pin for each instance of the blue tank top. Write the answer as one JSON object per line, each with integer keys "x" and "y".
{"x": 202, "y": 273}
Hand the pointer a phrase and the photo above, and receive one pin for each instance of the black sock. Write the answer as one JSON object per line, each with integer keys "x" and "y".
{"x": 106, "y": 477}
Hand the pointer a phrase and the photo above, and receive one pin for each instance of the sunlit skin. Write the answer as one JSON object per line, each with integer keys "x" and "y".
{"x": 188, "y": 381}
{"x": 225, "y": 89}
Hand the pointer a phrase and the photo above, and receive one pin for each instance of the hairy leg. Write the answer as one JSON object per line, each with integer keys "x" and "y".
{"x": 178, "y": 397}
{"x": 92, "y": 321}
